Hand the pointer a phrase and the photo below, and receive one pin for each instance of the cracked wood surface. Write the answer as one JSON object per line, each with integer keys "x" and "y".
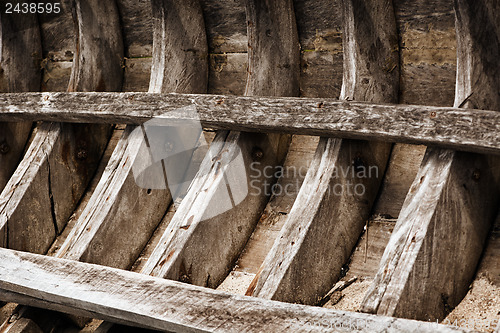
{"x": 454, "y": 198}
{"x": 21, "y": 52}
{"x": 320, "y": 232}
{"x": 218, "y": 214}
{"x": 140, "y": 300}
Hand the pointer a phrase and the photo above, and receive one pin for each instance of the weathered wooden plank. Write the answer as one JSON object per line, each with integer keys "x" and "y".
{"x": 137, "y": 23}
{"x": 226, "y": 25}
{"x": 127, "y": 297}
{"x": 329, "y": 213}
{"x": 48, "y": 183}
{"x": 428, "y": 51}
{"x": 21, "y": 52}
{"x": 283, "y": 194}
{"x": 462, "y": 129}
{"x": 454, "y": 198}
{"x": 218, "y": 214}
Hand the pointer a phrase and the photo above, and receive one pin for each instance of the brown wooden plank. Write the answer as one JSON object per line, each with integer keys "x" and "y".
{"x": 320, "y": 231}
{"x": 218, "y": 214}
{"x": 454, "y": 198}
{"x": 137, "y": 299}
{"x": 417, "y": 124}
{"x": 21, "y": 52}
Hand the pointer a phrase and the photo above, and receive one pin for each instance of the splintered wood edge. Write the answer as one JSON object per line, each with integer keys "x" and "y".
{"x": 417, "y": 278}
{"x": 132, "y": 298}
{"x": 307, "y": 256}
{"x": 461, "y": 129}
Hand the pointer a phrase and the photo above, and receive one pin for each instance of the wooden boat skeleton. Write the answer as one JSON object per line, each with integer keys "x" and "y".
{"x": 74, "y": 218}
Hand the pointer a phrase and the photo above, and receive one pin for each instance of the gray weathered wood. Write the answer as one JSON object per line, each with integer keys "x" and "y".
{"x": 461, "y": 129}
{"x": 140, "y": 300}
{"x": 454, "y": 198}
{"x": 41, "y": 195}
{"x": 329, "y": 214}
{"x": 218, "y": 214}
{"x": 21, "y": 52}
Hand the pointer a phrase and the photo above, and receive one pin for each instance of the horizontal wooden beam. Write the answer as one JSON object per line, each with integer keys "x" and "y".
{"x": 460, "y": 129}
{"x": 126, "y": 297}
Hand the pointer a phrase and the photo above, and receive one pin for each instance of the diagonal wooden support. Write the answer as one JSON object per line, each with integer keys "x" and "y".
{"x": 343, "y": 179}
{"x": 21, "y": 52}
{"x": 61, "y": 160}
{"x": 226, "y": 199}
{"x": 48, "y": 183}
{"x": 120, "y": 216}
{"x": 139, "y": 300}
{"x": 119, "y": 203}
{"x": 434, "y": 250}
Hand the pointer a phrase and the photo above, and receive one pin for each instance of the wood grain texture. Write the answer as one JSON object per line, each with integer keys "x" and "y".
{"x": 136, "y": 299}
{"x": 220, "y": 210}
{"x": 49, "y": 181}
{"x": 462, "y": 129}
{"x": 21, "y": 52}
{"x": 320, "y": 232}
{"x": 427, "y": 41}
{"x": 428, "y": 51}
{"x": 454, "y": 198}
{"x": 226, "y": 26}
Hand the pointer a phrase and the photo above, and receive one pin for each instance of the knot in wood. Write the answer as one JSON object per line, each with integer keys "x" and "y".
{"x": 476, "y": 174}
{"x": 257, "y": 153}
{"x": 4, "y": 148}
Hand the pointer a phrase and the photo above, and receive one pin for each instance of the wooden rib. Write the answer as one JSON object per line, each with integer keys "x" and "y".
{"x": 179, "y": 65}
{"x": 48, "y": 183}
{"x": 21, "y": 52}
{"x": 120, "y": 216}
{"x": 40, "y": 197}
{"x": 221, "y": 208}
{"x": 461, "y": 129}
{"x": 139, "y": 300}
{"x": 325, "y": 222}
{"x": 432, "y": 255}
